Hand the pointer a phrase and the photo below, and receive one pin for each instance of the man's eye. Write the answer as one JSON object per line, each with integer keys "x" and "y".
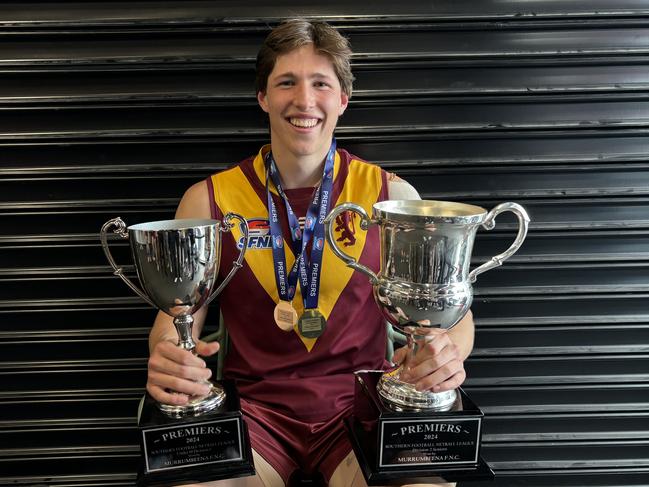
{"x": 321, "y": 84}
{"x": 286, "y": 83}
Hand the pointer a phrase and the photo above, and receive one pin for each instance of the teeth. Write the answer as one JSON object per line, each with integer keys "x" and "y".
{"x": 304, "y": 122}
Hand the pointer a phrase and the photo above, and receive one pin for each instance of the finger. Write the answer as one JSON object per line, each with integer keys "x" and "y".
{"x": 439, "y": 349}
{"x": 164, "y": 366}
{"x": 449, "y": 376}
{"x": 170, "y": 383}
{"x": 399, "y": 355}
{"x": 177, "y": 354}
{"x": 452, "y": 383}
{"x": 205, "y": 349}
{"x": 429, "y": 362}
{"x": 166, "y": 397}
{"x": 422, "y": 329}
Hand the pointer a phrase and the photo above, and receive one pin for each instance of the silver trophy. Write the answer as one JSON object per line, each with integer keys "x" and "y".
{"x": 424, "y": 280}
{"x": 177, "y": 263}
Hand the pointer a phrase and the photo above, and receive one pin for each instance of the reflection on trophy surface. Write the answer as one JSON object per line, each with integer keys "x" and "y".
{"x": 177, "y": 263}
{"x": 424, "y": 280}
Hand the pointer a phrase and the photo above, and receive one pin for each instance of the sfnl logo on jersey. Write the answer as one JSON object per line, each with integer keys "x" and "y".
{"x": 259, "y": 236}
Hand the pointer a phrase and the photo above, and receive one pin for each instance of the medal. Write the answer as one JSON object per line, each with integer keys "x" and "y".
{"x": 311, "y": 323}
{"x": 285, "y": 315}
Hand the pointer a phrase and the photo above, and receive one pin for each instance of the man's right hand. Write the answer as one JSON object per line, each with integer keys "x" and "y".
{"x": 175, "y": 374}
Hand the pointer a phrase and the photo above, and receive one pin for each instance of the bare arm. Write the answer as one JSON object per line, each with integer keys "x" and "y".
{"x": 462, "y": 335}
{"x": 171, "y": 368}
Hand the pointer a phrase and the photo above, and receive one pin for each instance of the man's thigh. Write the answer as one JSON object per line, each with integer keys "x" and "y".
{"x": 266, "y": 476}
{"x": 348, "y": 474}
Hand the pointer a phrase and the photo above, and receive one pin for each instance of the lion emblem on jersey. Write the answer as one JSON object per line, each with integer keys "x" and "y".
{"x": 345, "y": 228}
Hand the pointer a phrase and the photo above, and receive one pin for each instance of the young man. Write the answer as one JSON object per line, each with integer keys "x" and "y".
{"x": 296, "y": 381}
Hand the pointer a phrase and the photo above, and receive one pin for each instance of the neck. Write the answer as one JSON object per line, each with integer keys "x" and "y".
{"x": 299, "y": 172}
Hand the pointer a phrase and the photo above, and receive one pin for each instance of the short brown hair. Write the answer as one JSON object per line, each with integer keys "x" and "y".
{"x": 295, "y": 33}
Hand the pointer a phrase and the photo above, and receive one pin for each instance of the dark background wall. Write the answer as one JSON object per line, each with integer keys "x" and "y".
{"x": 114, "y": 108}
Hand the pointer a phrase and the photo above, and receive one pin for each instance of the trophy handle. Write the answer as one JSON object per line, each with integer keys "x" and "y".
{"x": 329, "y": 234}
{"x": 489, "y": 224}
{"x": 236, "y": 265}
{"x": 120, "y": 229}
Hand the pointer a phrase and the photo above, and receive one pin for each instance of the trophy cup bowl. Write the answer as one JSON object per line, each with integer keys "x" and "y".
{"x": 177, "y": 263}
{"x": 423, "y": 283}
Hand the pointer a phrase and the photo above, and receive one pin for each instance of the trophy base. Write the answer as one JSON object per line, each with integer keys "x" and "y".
{"x": 402, "y": 396}
{"x": 196, "y": 406}
{"x": 210, "y": 446}
{"x": 406, "y": 447}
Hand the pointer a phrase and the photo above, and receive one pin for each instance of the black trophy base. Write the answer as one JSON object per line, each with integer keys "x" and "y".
{"x": 212, "y": 446}
{"x": 402, "y": 447}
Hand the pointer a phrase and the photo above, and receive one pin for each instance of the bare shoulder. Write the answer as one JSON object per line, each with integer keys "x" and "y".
{"x": 400, "y": 189}
{"x": 195, "y": 203}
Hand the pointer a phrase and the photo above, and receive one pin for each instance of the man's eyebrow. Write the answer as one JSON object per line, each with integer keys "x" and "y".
{"x": 290, "y": 74}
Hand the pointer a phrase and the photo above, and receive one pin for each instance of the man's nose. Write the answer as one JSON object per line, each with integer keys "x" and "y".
{"x": 303, "y": 96}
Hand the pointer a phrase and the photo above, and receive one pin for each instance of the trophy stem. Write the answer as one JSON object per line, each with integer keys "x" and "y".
{"x": 196, "y": 405}
{"x": 183, "y": 326}
{"x": 403, "y": 396}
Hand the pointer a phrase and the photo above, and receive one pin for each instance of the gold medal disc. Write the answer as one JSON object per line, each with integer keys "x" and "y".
{"x": 312, "y": 323}
{"x": 285, "y": 315}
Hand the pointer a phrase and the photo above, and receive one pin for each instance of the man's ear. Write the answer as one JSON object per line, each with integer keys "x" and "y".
{"x": 344, "y": 101}
{"x": 261, "y": 99}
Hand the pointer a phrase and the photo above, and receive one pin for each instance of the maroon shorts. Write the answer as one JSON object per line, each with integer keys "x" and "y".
{"x": 289, "y": 444}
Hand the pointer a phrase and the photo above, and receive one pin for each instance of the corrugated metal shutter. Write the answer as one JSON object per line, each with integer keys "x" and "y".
{"x": 114, "y": 108}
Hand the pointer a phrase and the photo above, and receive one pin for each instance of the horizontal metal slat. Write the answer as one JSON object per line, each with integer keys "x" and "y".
{"x": 68, "y": 14}
{"x": 122, "y": 187}
{"x": 560, "y": 181}
{"x": 71, "y": 409}
{"x": 57, "y": 258}
{"x": 239, "y": 48}
{"x": 88, "y": 220}
{"x": 557, "y": 370}
{"x": 566, "y": 246}
{"x": 560, "y": 398}
{"x": 564, "y": 427}
{"x": 486, "y": 80}
{"x": 564, "y": 278}
{"x": 509, "y": 44}
{"x": 81, "y": 319}
{"x": 94, "y": 378}
{"x": 66, "y": 469}
{"x": 39, "y": 442}
{"x": 561, "y": 340}
{"x": 522, "y": 114}
{"x": 576, "y": 455}
{"x": 406, "y": 154}
{"x": 572, "y": 478}
{"x": 119, "y": 157}
{"x": 569, "y": 309}
{"x": 36, "y": 354}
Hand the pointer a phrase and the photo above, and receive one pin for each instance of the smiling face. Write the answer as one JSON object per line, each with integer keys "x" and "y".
{"x": 303, "y": 99}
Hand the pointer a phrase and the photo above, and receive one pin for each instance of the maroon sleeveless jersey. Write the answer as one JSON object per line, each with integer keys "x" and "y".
{"x": 311, "y": 379}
